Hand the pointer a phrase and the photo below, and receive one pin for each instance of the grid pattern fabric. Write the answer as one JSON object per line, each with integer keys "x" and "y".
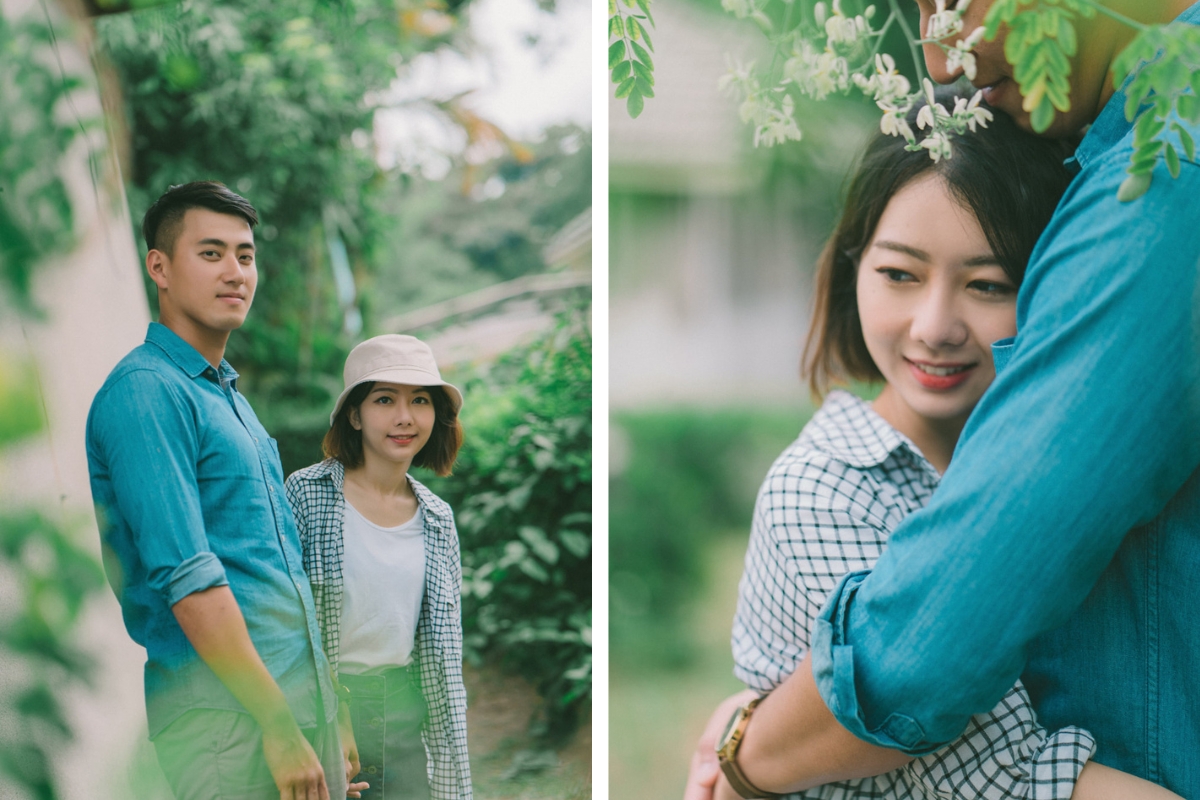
{"x": 315, "y": 494}
{"x": 825, "y": 509}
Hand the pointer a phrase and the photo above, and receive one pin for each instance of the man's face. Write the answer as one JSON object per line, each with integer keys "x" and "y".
{"x": 1090, "y": 86}
{"x": 206, "y": 284}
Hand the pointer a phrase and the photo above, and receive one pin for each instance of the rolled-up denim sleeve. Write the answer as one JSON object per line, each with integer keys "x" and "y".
{"x": 1088, "y": 432}
{"x": 148, "y": 434}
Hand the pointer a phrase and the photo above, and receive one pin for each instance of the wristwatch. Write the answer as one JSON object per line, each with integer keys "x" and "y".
{"x": 727, "y": 748}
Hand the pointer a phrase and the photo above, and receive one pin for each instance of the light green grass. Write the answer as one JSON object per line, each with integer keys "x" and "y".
{"x": 656, "y": 716}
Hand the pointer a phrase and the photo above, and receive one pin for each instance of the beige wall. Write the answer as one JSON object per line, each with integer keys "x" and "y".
{"x": 95, "y": 312}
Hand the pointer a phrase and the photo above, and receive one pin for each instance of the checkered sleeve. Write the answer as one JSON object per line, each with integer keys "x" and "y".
{"x": 1004, "y": 753}
{"x": 810, "y": 526}
{"x": 817, "y": 518}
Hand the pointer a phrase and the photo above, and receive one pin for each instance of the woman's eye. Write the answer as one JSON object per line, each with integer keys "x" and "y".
{"x": 383, "y": 400}
{"x": 992, "y": 288}
{"x": 421, "y": 400}
{"x": 896, "y": 275}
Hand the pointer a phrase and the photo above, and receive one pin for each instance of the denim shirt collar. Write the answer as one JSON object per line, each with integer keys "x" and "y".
{"x": 1111, "y": 126}
{"x": 186, "y": 357}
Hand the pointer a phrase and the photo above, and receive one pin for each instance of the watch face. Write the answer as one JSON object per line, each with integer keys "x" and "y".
{"x": 734, "y": 719}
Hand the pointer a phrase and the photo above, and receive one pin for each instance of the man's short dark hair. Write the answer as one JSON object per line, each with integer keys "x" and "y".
{"x": 164, "y": 219}
{"x": 344, "y": 442}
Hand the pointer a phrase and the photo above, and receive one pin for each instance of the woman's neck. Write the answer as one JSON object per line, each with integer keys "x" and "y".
{"x": 935, "y": 438}
{"x": 385, "y": 479}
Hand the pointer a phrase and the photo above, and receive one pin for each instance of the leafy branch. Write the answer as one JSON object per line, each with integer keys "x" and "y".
{"x": 629, "y": 62}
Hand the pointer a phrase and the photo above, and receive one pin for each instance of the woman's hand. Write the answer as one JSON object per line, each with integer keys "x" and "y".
{"x": 350, "y": 752}
{"x": 704, "y": 776}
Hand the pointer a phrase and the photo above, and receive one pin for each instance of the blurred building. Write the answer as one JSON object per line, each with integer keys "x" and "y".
{"x": 710, "y": 246}
{"x": 478, "y": 327}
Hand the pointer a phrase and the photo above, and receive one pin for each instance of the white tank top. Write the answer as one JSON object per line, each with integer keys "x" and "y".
{"x": 383, "y": 571}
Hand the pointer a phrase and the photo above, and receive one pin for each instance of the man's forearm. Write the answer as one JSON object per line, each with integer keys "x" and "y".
{"x": 793, "y": 742}
{"x": 213, "y": 623}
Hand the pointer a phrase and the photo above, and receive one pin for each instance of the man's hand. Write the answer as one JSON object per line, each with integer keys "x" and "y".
{"x": 705, "y": 771}
{"x": 294, "y": 766}
{"x": 213, "y": 623}
{"x": 350, "y": 752}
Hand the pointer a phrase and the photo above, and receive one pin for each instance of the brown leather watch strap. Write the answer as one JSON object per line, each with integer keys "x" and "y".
{"x": 727, "y": 750}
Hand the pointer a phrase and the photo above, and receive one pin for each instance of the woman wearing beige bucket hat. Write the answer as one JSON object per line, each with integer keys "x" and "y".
{"x": 382, "y": 554}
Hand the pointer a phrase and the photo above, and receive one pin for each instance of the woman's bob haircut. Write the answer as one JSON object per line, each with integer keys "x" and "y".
{"x": 344, "y": 442}
{"x": 1009, "y": 179}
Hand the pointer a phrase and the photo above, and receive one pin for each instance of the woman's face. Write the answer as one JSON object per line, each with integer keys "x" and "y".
{"x": 932, "y": 298}
{"x": 396, "y": 421}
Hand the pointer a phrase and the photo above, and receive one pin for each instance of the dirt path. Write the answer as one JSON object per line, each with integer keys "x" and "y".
{"x": 504, "y": 762}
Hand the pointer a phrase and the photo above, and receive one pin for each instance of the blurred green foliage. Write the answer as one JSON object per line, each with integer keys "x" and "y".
{"x": 680, "y": 478}
{"x": 37, "y": 126}
{"x": 277, "y": 101}
{"x": 522, "y": 494}
{"x": 45, "y": 578}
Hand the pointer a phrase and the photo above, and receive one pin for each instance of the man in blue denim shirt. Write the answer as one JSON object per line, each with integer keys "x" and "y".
{"x": 1063, "y": 543}
{"x": 199, "y": 542}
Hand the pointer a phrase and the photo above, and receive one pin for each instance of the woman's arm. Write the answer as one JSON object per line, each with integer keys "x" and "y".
{"x": 1098, "y": 782}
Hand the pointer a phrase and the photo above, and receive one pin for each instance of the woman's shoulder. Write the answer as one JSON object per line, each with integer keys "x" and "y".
{"x": 328, "y": 473}
{"x": 431, "y": 502}
{"x": 845, "y": 438}
{"x": 846, "y": 430}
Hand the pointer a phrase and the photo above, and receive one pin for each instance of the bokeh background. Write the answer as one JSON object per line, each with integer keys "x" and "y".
{"x": 712, "y": 253}
{"x": 419, "y": 166}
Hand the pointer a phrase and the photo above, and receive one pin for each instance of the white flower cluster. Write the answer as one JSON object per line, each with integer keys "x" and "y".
{"x": 961, "y": 56}
{"x": 739, "y": 8}
{"x": 943, "y": 23}
{"x": 841, "y": 30}
{"x": 967, "y": 115}
{"x": 890, "y": 90}
{"x": 772, "y": 124}
{"x": 817, "y": 74}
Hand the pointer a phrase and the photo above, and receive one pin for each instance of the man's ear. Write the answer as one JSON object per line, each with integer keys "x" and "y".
{"x": 156, "y": 268}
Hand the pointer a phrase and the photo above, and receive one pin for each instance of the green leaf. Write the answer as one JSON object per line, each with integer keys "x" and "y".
{"x": 645, "y": 88}
{"x": 621, "y": 71}
{"x": 1172, "y": 159}
{"x": 1189, "y": 107}
{"x": 539, "y": 543}
{"x": 635, "y": 30}
{"x": 1042, "y": 116}
{"x": 612, "y": 7}
{"x": 616, "y": 53}
{"x": 1146, "y": 156}
{"x": 1134, "y": 187}
{"x": 646, "y": 36}
{"x": 1185, "y": 139}
{"x": 642, "y": 55}
{"x": 1066, "y": 37}
{"x": 635, "y": 104}
{"x": 577, "y": 544}
{"x": 625, "y": 88}
{"x": 1146, "y": 128}
{"x": 616, "y": 29}
{"x": 644, "y": 5}
{"x": 643, "y": 72}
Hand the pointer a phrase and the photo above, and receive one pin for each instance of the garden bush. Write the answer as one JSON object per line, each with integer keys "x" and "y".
{"x": 522, "y": 492}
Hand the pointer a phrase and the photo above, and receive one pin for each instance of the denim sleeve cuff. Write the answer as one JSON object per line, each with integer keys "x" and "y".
{"x": 201, "y": 571}
{"x": 833, "y": 669}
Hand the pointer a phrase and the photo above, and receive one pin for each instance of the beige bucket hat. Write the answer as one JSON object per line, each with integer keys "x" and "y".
{"x": 393, "y": 358}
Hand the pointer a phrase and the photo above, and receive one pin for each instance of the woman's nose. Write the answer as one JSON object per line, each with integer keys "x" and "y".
{"x": 936, "y": 322}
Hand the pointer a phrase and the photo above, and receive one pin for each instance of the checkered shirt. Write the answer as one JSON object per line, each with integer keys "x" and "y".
{"x": 825, "y": 509}
{"x": 315, "y": 494}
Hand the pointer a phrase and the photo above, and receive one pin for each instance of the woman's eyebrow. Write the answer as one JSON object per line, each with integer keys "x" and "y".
{"x": 920, "y": 255}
